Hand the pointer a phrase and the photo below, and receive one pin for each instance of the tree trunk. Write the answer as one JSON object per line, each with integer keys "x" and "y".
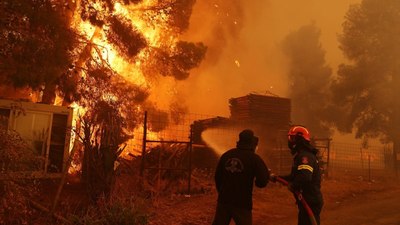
{"x": 49, "y": 94}
{"x": 396, "y": 119}
{"x": 396, "y": 148}
{"x": 83, "y": 57}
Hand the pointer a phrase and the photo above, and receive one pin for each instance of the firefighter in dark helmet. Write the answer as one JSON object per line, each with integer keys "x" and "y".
{"x": 305, "y": 176}
{"x": 235, "y": 174}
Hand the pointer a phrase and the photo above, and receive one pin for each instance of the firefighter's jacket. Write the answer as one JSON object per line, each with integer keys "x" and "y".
{"x": 236, "y": 172}
{"x": 305, "y": 175}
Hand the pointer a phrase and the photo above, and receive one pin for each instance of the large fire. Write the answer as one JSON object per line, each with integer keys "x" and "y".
{"x": 131, "y": 71}
{"x": 152, "y": 20}
{"x": 111, "y": 60}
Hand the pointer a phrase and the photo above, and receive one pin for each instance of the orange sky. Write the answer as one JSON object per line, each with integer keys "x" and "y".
{"x": 243, "y": 55}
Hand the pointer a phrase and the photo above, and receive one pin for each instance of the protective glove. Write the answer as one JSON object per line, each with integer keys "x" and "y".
{"x": 272, "y": 177}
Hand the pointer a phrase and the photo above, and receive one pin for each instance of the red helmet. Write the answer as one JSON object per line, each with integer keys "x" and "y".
{"x": 298, "y": 130}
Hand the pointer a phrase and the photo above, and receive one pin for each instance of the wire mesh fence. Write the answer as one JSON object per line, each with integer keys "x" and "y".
{"x": 175, "y": 144}
{"x": 164, "y": 144}
{"x": 172, "y": 145}
{"x": 162, "y": 126}
{"x": 367, "y": 161}
{"x": 213, "y": 134}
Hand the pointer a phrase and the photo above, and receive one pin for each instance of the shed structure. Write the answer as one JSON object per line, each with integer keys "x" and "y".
{"x": 269, "y": 116}
{"x": 46, "y": 129}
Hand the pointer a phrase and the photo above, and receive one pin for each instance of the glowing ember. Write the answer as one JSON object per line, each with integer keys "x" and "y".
{"x": 237, "y": 63}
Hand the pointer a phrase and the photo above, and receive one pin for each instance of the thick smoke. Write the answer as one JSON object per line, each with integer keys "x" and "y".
{"x": 309, "y": 78}
{"x": 243, "y": 52}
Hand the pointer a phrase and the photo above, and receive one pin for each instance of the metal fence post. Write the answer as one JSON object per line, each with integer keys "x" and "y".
{"x": 328, "y": 158}
{"x": 369, "y": 167}
{"x": 190, "y": 159}
{"x": 142, "y": 163}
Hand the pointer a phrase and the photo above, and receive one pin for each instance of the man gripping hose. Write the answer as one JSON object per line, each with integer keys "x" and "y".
{"x": 237, "y": 170}
{"x": 305, "y": 177}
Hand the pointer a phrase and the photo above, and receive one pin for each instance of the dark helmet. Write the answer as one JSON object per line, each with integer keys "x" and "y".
{"x": 247, "y": 139}
{"x": 298, "y": 134}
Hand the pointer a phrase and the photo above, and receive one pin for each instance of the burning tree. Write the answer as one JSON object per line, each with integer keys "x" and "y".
{"x": 366, "y": 92}
{"x": 140, "y": 36}
{"x": 101, "y": 55}
{"x": 51, "y": 46}
{"x": 103, "y": 134}
{"x": 37, "y": 44}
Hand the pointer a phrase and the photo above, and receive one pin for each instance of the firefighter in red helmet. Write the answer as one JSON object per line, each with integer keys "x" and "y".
{"x": 305, "y": 176}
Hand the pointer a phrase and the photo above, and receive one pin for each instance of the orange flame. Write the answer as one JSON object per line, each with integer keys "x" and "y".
{"x": 156, "y": 35}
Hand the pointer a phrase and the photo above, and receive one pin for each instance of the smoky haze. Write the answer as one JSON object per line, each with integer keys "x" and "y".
{"x": 243, "y": 52}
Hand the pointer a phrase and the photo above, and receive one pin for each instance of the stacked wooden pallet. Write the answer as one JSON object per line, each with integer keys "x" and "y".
{"x": 262, "y": 109}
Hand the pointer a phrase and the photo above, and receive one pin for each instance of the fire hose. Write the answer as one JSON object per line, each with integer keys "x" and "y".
{"x": 300, "y": 198}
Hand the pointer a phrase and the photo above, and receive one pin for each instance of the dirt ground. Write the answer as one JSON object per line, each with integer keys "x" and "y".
{"x": 348, "y": 200}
